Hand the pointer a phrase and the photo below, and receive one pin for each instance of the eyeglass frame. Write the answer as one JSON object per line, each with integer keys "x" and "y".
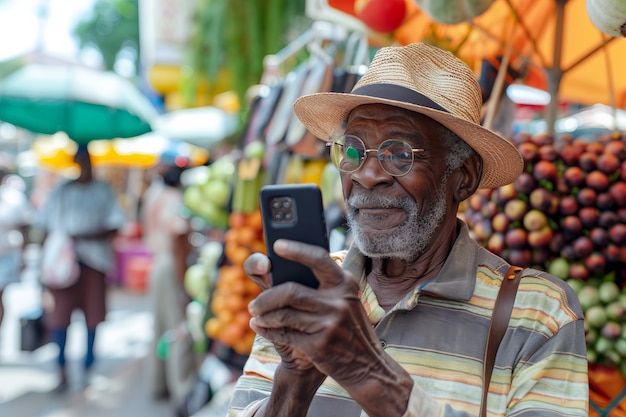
{"x": 334, "y": 140}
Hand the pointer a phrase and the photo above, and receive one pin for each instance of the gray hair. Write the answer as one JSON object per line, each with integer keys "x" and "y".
{"x": 458, "y": 150}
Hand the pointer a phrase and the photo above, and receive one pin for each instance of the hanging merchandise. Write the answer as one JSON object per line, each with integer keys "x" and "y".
{"x": 319, "y": 79}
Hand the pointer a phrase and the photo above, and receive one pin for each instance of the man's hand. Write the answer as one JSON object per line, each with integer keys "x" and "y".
{"x": 327, "y": 326}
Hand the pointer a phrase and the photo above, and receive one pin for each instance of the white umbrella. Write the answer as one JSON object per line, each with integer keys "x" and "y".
{"x": 200, "y": 126}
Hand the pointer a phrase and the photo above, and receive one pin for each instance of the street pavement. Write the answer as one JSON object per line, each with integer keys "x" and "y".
{"x": 118, "y": 384}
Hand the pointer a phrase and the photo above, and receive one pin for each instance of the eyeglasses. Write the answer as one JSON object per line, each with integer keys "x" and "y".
{"x": 395, "y": 157}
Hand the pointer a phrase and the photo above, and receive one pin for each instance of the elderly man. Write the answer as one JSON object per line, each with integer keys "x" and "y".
{"x": 399, "y": 324}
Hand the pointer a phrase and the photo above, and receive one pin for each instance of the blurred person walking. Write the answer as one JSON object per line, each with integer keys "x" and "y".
{"x": 87, "y": 210}
{"x": 15, "y": 216}
{"x": 166, "y": 234}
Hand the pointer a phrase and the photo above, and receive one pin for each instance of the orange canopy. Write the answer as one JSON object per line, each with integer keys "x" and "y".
{"x": 581, "y": 64}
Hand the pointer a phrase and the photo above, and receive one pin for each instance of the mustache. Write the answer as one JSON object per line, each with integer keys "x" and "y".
{"x": 365, "y": 199}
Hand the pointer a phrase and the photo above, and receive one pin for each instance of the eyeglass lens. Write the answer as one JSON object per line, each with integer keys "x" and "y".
{"x": 395, "y": 157}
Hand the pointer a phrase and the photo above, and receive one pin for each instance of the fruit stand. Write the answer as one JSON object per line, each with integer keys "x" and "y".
{"x": 566, "y": 213}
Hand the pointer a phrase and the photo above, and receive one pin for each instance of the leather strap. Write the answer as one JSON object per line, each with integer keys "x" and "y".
{"x": 499, "y": 323}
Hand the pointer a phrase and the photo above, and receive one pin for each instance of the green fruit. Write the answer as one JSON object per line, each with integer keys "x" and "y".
{"x": 620, "y": 347}
{"x": 592, "y": 355}
{"x": 603, "y": 345}
{"x": 254, "y": 149}
{"x": 615, "y": 311}
{"x": 591, "y": 337}
{"x": 560, "y": 268}
{"x": 596, "y": 317}
{"x": 588, "y": 297}
{"x": 576, "y": 284}
{"x": 217, "y": 191}
{"x": 608, "y": 292}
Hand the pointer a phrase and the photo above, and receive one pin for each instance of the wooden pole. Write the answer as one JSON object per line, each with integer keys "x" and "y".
{"x": 555, "y": 72}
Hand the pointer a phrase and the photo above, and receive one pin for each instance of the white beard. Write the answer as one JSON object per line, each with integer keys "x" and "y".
{"x": 405, "y": 242}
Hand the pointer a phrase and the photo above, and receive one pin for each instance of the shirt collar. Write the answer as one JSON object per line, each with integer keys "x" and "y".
{"x": 455, "y": 281}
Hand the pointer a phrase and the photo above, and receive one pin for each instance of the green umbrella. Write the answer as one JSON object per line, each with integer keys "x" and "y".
{"x": 85, "y": 104}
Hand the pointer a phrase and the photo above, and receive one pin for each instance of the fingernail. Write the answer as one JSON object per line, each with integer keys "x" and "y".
{"x": 251, "y": 308}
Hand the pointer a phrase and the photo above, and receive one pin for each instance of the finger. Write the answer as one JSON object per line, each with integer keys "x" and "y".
{"x": 257, "y": 267}
{"x": 327, "y": 272}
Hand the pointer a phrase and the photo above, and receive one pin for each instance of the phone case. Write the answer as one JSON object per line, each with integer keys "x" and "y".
{"x": 295, "y": 212}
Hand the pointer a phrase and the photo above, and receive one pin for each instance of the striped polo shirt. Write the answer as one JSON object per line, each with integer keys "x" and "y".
{"x": 438, "y": 333}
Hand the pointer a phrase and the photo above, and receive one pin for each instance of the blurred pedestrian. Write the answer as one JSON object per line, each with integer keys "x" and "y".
{"x": 87, "y": 209}
{"x": 15, "y": 217}
{"x": 166, "y": 233}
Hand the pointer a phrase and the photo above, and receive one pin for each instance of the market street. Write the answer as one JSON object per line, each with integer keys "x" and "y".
{"x": 117, "y": 385}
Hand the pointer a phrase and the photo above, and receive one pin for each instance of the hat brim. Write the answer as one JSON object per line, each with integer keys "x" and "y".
{"x": 324, "y": 114}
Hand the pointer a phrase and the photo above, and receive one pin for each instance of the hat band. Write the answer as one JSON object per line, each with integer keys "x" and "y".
{"x": 397, "y": 93}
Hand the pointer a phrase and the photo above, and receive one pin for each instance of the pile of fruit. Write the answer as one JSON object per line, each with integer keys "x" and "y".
{"x": 604, "y": 305}
{"x": 229, "y": 321}
{"x": 208, "y": 191}
{"x": 565, "y": 214}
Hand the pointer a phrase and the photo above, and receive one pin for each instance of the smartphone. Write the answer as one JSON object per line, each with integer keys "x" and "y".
{"x": 295, "y": 212}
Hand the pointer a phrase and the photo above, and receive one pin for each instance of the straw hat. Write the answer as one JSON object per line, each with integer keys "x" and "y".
{"x": 425, "y": 79}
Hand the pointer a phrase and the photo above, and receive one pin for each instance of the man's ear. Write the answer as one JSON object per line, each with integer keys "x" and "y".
{"x": 470, "y": 174}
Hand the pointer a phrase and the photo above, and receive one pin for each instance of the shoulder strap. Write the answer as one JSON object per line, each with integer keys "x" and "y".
{"x": 499, "y": 323}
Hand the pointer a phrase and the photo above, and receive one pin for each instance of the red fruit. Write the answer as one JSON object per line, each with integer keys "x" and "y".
{"x": 588, "y": 161}
{"x": 534, "y": 220}
{"x": 595, "y": 263}
{"x": 578, "y": 271}
{"x": 545, "y": 170}
{"x": 608, "y": 163}
{"x": 381, "y": 15}
{"x": 595, "y": 147}
{"x": 496, "y": 243}
{"x": 597, "y": 180}
{"x": 611, "y": 252}
{"x": 570, "y": 154}
{"x": 489, "y": 209}
{"x": 617, "y": 148}
{"x": 516, "y": 238}
{"x": 574, "y": 176}
{"x": 571, "y": 227}
{"x": 617, "y": 233}
{"x": 604, "y": 201}
{"x": 515, "y": 209}
{"x": 541, "y": 139}
{"x": 562, "y": 187}
{"x": 476, "y": 201}
{"x": 589, "y": 216}
{"x": 482, "y": 230}
{"x": 548, "y": 153}
{"x": 608, "y": 219}
{"x": 557, "y": 243}
{"x": 529, "y": 151}
{"x": 622, "y": 171}
{"x": 541, "y": 199}
{"x": 540, "y": 238}
{"x": 568, "y": 253}
{"x": 525, "y": 183}
{"x": 583, "y": 246}
{"x": 521, "y": 257}
{"x": 540, "y": 257}
{"x": 568, "y": 205}
{"x": 587, "y": 197}
{"x": 599, "y": 237}
{"x": 580, "y": 145}
{"x": 618, "y": 192}
{"x": 500, "y": 222}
